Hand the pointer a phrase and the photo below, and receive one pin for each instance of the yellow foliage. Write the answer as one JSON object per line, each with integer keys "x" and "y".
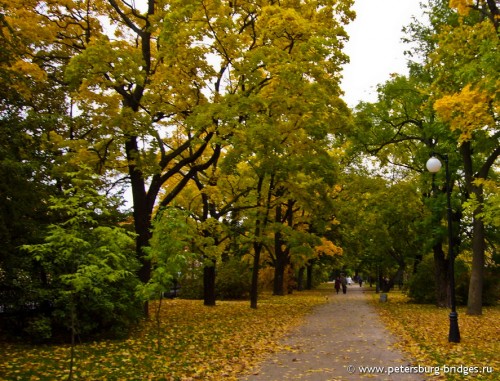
{"x": 462, "y": 6}
{"x": 466, "y": 111}
{"x": 29, "y": 69}
{"x": 328, "y": 248}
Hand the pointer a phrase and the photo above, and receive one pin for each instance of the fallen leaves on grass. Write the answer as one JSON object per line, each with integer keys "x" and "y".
{"x": 423, "y": 330}
{"x": 197, "y": 343}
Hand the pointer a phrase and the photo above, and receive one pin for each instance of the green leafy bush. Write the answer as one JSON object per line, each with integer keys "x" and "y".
{"x": 172, "y": 261}
{"x": 234, "y": 278}
{"x": 422, "y": 284}
{"x": 89, "y": 265}
{"x": 191, "y": 283}
{"x": 39, "y": 328}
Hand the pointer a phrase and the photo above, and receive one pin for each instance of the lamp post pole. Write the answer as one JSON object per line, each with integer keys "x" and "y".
{"x": 434, "y": 165}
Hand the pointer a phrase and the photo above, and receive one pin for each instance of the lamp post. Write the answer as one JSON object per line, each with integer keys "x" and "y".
{"x": 434, "y": 165}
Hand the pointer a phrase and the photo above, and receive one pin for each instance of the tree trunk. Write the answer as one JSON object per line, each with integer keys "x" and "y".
{"x": 300, "y": 279}
{"x": 416, "y": 262}
{"x": 309, "y": 276}
{"x": 281, "y": 257}
{"x": 254, "y": 292}
{"x": 282, "y": 251}
{"x": 387, "y": 286}
{"x": 209, "y": 284}
{"x": 142, "y": 213}
{"x": 475, "y": 299}
{"x": 441, "y": 276}
{"x": 279, "y": 278}
{"x": 260, "y": 224}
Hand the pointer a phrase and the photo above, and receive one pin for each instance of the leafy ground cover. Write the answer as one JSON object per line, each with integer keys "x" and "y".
{"x": 196, "y": 342}
{"x": 222, "y": 342}
{"x": 424, "y": 333}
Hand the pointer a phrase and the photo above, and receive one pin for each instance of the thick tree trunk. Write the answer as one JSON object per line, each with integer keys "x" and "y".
{"x": 279, "y": 277}
{"x": 441, "y": 276}
{"x": 309, "y": 281}
{"x": 300, "y": 279}
{"x": 281, "y": 257}
{"x": 142, "y": 213}
{"x": 254, "y": 291}
{"x": 260, "y": 224}
{"x": 209, "y": 285}
{"x": 475, "y": 299}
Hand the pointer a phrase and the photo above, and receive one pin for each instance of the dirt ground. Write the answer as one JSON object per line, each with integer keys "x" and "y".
{"x": 336, "y": 340}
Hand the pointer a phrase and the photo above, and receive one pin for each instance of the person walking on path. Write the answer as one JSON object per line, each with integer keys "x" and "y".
{"x": 337, "y": 284}
{"x": 343, "y": 281}
{"x": 332, "y": 346}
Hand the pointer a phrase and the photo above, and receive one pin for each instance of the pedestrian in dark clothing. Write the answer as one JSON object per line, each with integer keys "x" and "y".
{"x": 337, "y": 284}
{"x": 343, "y": 281}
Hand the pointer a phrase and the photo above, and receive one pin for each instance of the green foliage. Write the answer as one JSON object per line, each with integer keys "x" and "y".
{"x": 39, "y": 328}
{"x": 89, "y": 266}
{"x": 191, "y": 282}
{"x": 380, "y": 224}
{"x": 490, "y": 208}
{"x": 422, "y": 284}
{"x": 169, "y": 252}
{"x": 321, "y": 273}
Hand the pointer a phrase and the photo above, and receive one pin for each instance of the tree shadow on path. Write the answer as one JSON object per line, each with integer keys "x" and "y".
{"x": 336, "y": 341}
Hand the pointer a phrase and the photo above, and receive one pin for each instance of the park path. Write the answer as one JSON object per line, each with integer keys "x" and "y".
{"x": 335, "y": 340}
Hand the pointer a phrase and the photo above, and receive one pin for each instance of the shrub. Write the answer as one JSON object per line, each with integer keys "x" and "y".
{"x": 89, "y": 264}
{"x": 191, "y": 283}
{"x": 234, "y": 278}
{"x": 422, "y": 284}
{"x": 39, "y": 328}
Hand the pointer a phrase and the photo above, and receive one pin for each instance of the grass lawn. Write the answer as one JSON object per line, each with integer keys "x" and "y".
{"x": 424, "y": 333}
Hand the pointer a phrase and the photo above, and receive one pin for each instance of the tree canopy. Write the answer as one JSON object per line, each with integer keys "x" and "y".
{"x": 214, "y": 134}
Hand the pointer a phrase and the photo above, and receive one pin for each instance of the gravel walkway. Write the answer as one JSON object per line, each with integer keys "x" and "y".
{"x": 335, "y": 342}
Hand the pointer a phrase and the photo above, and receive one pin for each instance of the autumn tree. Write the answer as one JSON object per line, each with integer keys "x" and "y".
{"x": 451, "y": 79}
{"x": 146, "y": 81}
{"x": 401, "y": 130}
{"x": 88, "y": 263}
{"x": 177, "y": 78}
{"x": 281, "y": 94}
{"x": 465, "y": 63}
{"x": 380, "y": 223}
{"x": 33, "y": 108}
{"x": 468, "y": 101}
{"x": 159, "y": 88}
{"x": 303, "y": 212}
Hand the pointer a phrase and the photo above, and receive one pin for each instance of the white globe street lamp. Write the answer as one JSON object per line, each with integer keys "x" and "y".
{"x": 434, "y": 165}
